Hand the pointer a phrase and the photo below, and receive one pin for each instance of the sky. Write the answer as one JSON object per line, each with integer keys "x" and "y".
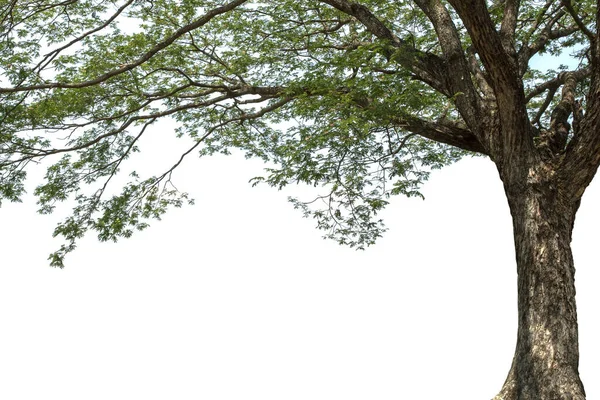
{"x": 239, "y": 297}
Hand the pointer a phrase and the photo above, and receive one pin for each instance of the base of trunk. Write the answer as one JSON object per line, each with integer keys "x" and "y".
{"x": 554, "y": 384}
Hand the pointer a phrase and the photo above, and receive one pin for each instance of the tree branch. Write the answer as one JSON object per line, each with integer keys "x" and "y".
{"x": 582, "y": 156}
{"x": 545, "y": 105}
{"x": 582, "y": 27}
{"x": 47, "y": 59}
{"x": 145, "y": 57}
{"x": 546, "y": 36}
{"x": 442, "y": 132}
{"x": 459, "y": 80}
{"x": 558, "y": 133}
{"x": 509, "y": 25}
{"x": 486, "y": 41}
{"x": 555, "y": 83}
{"x": 510, "y": 147}
{"x": 480, "y": 78}
{"x": 427, "y": 67}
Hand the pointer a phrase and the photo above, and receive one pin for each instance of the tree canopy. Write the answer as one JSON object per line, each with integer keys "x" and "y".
{"x": 363, "y": 99}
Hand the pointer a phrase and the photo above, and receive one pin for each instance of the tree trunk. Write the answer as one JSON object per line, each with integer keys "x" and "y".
{"x": 545, "y": 364}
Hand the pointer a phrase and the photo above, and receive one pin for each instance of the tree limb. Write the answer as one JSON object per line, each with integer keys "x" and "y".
{"x": 582, "y": 27}
{"x": 481, "y": 79}
{"x": 559, "y": 125}
{"x": 459, "y": 81}
{"x": 582, "y": 156}
{"x": 427, "y": 67}
{"x": 509, "y": 25}
{"x": 477, "y": 20}
{"x": 505, "y": 80}
{"x": 528, "y": 51}
{"x": 555, "y": 83}
{"x": 545, "y": 105}
{"x": 145, "y": 57}
{"x": 47, "y": 59}
{"x": 444, "y": 132}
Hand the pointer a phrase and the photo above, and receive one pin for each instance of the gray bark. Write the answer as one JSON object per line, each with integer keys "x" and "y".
{"x": 545, "y": 364}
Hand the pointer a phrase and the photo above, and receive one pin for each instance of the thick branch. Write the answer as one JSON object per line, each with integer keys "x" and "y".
{"x": 559, "y": 125}
{"x": 486, "y": 40}
{"x": 480, "y": 78}
{"x": 512, "y": 146}
{"x": 443, "y": 132}
{"x": 509, "y": 25}
{"x": 582, "y": 156}
{"x": 459, "y": 81}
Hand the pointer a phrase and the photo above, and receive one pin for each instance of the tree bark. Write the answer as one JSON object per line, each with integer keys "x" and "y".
{"x": 545, "y": 364}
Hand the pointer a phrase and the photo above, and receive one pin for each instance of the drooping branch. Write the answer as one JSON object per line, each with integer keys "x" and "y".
{"x": 229, "y": 94}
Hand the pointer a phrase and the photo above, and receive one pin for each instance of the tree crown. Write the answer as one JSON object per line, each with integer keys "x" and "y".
{"x": 362, "y": 98}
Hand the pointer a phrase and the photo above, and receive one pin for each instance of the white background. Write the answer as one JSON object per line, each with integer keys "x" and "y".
{"x": 238, "y": 297}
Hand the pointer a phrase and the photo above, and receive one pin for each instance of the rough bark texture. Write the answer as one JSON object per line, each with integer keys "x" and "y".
{"x": 545, "y": 364}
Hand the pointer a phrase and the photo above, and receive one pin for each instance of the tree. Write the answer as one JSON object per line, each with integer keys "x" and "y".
{"x": 362, "y": 99}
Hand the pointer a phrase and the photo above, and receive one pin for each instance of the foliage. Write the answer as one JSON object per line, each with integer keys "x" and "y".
{"x": 322, "y": 94}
